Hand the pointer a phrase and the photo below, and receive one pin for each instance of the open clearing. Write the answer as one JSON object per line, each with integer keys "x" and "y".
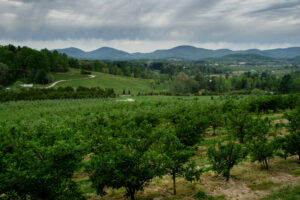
{"x": 74, "y": 79}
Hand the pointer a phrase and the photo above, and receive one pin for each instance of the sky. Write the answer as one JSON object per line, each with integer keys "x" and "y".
{"x": 147, "y": 25}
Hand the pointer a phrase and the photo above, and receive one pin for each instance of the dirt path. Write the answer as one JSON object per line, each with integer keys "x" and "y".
{"x": 130, "y": 100}
{"x": 53, "y": 84}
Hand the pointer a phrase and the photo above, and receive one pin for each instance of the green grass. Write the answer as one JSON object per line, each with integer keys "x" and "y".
{"x": 266, "y": 185}
{"x": 71, "y": 74}
{"x": 295, "y": 172}
{"x": 210, "y": 141}
{"x": 118, "y": 83}
{"x": 287, "y": 193}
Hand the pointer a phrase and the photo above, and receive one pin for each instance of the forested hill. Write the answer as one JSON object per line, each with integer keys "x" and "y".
{"x": 180, "y": 52}
{"x": 29, "y": 65}
{"x": 245, "y": 58}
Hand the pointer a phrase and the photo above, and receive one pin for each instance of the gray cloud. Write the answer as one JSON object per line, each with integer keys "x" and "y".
{"x": 189, "y": 21}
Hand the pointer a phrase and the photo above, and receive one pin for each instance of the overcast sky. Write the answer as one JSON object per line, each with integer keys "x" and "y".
{"x": 147, "y": 25}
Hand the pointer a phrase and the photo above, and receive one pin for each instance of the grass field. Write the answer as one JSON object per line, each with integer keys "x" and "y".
{"x": 118, "y": 83}
{"x": 71, "y": 74}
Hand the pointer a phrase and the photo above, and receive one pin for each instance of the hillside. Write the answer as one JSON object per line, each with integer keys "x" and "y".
{"x": 103, "y": 80}
{"x": 180, "y": 52}
{"x": 245, "y": 58}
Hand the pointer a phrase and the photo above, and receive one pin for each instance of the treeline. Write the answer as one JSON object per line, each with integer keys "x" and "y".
{"x": 137, "y": 69}
{"x": 52, "y": 93}
{"x": 29, "y": 65}
{"x": 148, "y": 69}
{"x": 128, "y": 150}
{"x": 248, "y": 81}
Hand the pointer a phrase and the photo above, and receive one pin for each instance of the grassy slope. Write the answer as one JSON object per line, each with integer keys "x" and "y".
{"x": 71, "y": 74}
{"x": 118, "y": 83}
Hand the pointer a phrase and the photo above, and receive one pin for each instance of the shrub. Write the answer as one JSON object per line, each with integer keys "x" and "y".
{"x": 202, "y": 195}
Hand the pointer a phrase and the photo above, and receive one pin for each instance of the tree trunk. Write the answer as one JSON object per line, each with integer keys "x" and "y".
{"x": 131, "y": 193}
{"x": 229, "y": 159}
{"x": 174, "y": 182}
{"x": 214, "y": 131}
{"x": 227, "y": 177}
{"x": 241, "y": 139}
{"x": 132, "y": 196}
{"x": 266, "y": 163}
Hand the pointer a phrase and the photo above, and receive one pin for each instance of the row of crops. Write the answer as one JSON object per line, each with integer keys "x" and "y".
{"x": 128, "y": 144}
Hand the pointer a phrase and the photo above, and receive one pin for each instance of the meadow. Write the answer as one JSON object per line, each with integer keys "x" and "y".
{"x": 103, "y": 80}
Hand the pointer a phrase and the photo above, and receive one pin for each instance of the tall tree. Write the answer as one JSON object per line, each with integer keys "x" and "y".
{"x": 285, "y": 84}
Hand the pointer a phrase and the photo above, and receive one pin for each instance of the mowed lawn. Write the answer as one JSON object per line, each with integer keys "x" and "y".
{"x": 118, "y": 83}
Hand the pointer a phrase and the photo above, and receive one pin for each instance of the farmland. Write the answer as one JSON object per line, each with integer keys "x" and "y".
{"x": 82, "y": 128}
{"x": 119, "y": 83}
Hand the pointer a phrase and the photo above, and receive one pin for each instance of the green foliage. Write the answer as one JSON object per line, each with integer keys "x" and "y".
{"x": 224, "y": 156}
{"x": 190, "y": 126}
{"x": 38, "y": 163}
{"x": 59, "y": 93}
{"x": 260, "y": 146}
{"x": 183, "y": 84}
{"x": 290, "y": 143}
{"x": 125, "y": 144}
{"x": 294, "y": 120}
{"x": 202, "y": 195}
{"x": 85, "y": 72}
{"x": 237, "y": 122}
{"x": 178, "y": 156}
{"x": 215, "y": 116}
{"x": 42, "y": 77}
{"x": 257, "y": 92}
{"x": 127, "y": 160}
{"x": 5, "y": 76}
{"x": 285, "y": 84}
{"x": 286, "y": 193}
{"x": 30, "y": 65}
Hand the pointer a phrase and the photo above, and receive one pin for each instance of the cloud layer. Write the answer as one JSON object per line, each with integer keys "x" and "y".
{"x": 162, "y": 23}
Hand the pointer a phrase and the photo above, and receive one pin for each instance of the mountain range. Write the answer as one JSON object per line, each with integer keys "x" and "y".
{"x": 179, "y": 52}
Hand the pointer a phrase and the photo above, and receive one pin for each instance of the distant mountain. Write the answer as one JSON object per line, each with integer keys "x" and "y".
{"x": 282, "y": 53}
{"x": 180, "y": 52}
{"x": 73, "y": 52}
{"x": 295, "y": 59}
{"x": 107, "y": 53}
{"x": 187, "y": 52}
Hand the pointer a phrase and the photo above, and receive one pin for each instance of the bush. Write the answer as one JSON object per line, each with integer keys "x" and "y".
{"x": 83, "y": 71}
{"x": 51, "y": 93}
{"x": 224, "y": 156}
{"x": 202, "y": 195}
{"x": 42, "y": 77}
